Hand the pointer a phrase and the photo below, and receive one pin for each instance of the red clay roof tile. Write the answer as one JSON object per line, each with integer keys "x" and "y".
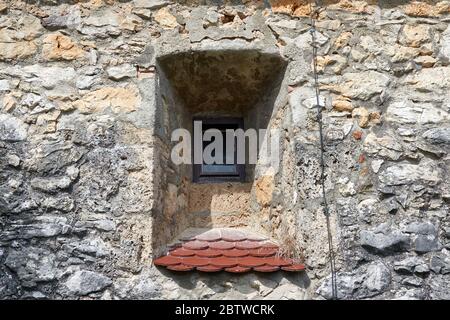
{"x": 276, "y": 261}
{"x": 266, "y": 268}
{"x": 238, "y": 269}
{"x": 233, "y": 235}
{"x": 196, "y": 261}
{"x": 182, "y": 252}
{"x": 248, "y": 245}
{"x": 167, "y": 261}
{"x": 180, "y": 267}
{"x": 209, "y": 253}
{"x": 210, "y": 268}
{"x": 229, "y": 250}
{"x": 235, "y": 253}
{"x": 222, "y": 245}
{"x": 210, "y": 235}
{"x": 224, "y": 262}
{"x": 251, "y": 261}
{"x": 196, "y": 245}
{"x": 263, "y": 252}
{"x": 294, "y": 268}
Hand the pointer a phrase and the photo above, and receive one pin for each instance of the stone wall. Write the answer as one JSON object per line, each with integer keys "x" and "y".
{"x": 88, "y": 195}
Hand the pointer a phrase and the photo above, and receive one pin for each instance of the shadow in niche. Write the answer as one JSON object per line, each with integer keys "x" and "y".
{"x": 212, "y": 84}
{"x": 242, "y": 283}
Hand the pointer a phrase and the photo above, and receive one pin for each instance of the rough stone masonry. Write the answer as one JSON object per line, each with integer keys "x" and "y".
{"x": 88, "y": 197}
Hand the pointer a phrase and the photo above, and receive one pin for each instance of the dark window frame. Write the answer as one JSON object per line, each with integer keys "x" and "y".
{"x": 197, "y": 175}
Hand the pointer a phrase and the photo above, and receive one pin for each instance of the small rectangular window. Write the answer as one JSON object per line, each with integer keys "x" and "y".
{"x": 219, "y": 172}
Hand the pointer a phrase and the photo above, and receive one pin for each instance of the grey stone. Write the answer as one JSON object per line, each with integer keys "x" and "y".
{"x": 120, "y": 72}
{"x": 422, "y": 269}
{"x": 4, "y": 85}
{"x": 34, "y": 295}
{"x": 412, "y": 281}
{"x": 13, "y": 160}
{"x": 84, "y": 282}
{"x": 93, "y": 247}
{"x": 54, "y": 22}
{"x": 85, "y": 82}
{"x": 385, "y": 147}
{"x": 61, "y": 203}
{"x": 52, "y": 77}
{"x": 435, "y": 79}
{"x": 410, "y": 264}
{"x": 347, "y": 284}
{"x": 447, "y": 232}
{"x": 390, "y": 205}
{"x": 424, "y": 228}
{"x": 150, "y": 4}
{"x": 32, "y": 264}
{"x": 410, "y": 173}
{"x": 440, "y": 263}
{"x": 146, "y": 58}
{"x": 70, "y": 20}
{"x": 438, "y": 135}
{"x": 426, "y": 243}
{"x": 12, "y": 129}
{"x": 364, "y": 85}
{"x": 44, "y": 226}
{"x": 408, "y": 112}
{"x": 384, "y": 243}
{"x": 377, "y": 278}
{"x": 445, "y": 43}
{"x": 52, "y": 184}
{"x": 144, "y": 289}
{"x": 439, "y": 287}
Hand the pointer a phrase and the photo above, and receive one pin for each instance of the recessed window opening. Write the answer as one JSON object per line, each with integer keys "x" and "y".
{"x": 224, "y": 171}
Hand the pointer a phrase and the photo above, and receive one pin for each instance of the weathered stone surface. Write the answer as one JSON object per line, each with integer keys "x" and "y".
{"x": 377, "y": 279}
{"x": 384, "y": 241}
{"x": 423, "y": 228}
{"x": 165, "y": 18}
{"x": 4, "y": 85}
{"x": 361, "y": 86}
{"x": 411, "y": 265}
{"x": 426, "y": 243}
{"x": 12, "y": 129}
{"x": 410, "y": 173}
{"x": 68, "y": 20}
{"x": 60, "y": 47}
{"x": 439, "y": 288}
{"x": 16, "y": 42}
{"x": 367, "y": 281}
{"x": 445, "y": 43}
{"x": 150, "y": 4}
{"x": 50, "y": 77}
{"x": 120, "y": 100}
{"x": 51, "y": 184}
{"x": 407, "y": 112}
{"x": 415, "y": 35}
{"x": 32, "y": 264}
{"x": 440, "y": 263}
{"x": 438, "y": 135}
{"x": 91, "y": 91}
{"x": 84, "y": 282}
{"x": 385, "y": 147}
{"x": 430, "y": 79}
{"x": 121, "y": 72}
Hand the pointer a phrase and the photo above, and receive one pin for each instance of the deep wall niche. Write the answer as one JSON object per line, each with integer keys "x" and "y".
{"x": 208, "y": 84}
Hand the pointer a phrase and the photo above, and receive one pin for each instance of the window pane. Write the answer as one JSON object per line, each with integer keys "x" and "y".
{"x": 218, "y": 168}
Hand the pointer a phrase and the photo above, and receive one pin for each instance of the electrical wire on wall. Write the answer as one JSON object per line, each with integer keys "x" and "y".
{"x": 314, "y": 16}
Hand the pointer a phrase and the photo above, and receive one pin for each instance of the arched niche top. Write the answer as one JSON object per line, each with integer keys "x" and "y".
{"x": 222, "y": 79}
